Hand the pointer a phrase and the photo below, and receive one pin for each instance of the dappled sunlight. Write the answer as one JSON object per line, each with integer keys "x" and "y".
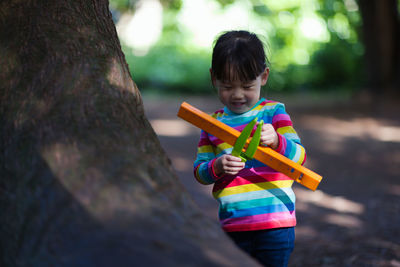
{"x": 363, "y": 128}
{"x": 119, "y": 78}
{"x": 341, "y": 211}
{"x": 388, "y": 134}
{"x": 173, "y": 127}
{"x": 344, "y": 220}
{"x": 115, "y": 75}
{"x": 324, "y": 200}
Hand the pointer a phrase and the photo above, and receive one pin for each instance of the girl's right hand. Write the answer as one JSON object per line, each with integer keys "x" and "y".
{"x": 228, "y": 164}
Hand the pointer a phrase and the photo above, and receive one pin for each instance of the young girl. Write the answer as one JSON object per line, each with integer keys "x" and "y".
{"x": 257, "y": 203}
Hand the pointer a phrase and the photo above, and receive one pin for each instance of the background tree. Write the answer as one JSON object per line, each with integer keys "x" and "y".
{"x": 83, "y": 179}
{"x": 381, "y": 35}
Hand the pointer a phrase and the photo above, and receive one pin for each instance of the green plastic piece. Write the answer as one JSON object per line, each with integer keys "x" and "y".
{"x": 241, "y": 141}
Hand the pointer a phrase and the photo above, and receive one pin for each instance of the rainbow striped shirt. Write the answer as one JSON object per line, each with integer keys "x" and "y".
{"x": 258, "y": 197}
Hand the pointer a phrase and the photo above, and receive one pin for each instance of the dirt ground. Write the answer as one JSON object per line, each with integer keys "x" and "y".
{"x": 353, "y": 219}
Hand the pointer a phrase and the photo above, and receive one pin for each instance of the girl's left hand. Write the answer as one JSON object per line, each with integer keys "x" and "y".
{"x": 269, "y": 137}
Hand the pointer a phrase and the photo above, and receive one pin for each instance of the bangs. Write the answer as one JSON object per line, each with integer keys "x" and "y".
{"x": 238, "y": 70}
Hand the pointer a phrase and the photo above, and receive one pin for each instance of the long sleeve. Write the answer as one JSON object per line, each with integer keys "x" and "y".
{"x": 203, "y": 165}
{"x": 289, "y": 142}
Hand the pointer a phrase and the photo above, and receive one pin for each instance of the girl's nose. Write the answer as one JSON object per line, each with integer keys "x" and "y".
{"x": 237, "y": 93}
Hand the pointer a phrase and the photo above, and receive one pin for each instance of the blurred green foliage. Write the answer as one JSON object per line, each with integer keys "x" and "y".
{"x": 170, "y": 69}
{"x": 128, "y": 5}
{"x": 312, "y": 47}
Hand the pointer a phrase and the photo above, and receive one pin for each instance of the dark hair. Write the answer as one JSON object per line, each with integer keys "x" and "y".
{"x": 238, "y": 55}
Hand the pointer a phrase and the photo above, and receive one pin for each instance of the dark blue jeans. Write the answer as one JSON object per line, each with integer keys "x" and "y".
{"x": 270, "y": 247}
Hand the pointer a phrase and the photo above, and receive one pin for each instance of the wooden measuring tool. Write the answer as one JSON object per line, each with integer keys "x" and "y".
{"x": 265, "y": 155}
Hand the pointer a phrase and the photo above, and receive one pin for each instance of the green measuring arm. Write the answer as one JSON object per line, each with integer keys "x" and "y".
{"x": 240, "y": 143}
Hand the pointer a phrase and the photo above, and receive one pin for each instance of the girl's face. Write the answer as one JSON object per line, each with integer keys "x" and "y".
{"x": 240, "y": 96}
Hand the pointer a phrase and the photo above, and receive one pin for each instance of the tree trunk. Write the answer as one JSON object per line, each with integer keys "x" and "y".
{"x": 83, "y": 178}
{"x": 381, "y": 33}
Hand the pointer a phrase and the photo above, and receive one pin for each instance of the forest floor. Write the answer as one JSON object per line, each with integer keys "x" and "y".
{"x": 353, "y": 218}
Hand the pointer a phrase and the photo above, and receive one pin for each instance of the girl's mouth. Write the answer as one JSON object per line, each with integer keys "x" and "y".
{"x": 237, "y": 104}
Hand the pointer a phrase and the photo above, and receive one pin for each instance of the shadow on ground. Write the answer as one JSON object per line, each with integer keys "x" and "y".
{"x": 353, "y": 218}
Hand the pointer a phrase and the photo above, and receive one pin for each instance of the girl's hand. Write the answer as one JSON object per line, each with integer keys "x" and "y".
{"x": 228, "y": 164}
{"x": 269, "y": 137}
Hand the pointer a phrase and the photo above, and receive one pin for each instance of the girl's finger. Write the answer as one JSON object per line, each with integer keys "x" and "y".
{"x": 235, "y": 164}
{"x": 233, "y": 158}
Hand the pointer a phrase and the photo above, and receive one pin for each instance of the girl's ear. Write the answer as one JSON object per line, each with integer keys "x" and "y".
{"x": 264, "y": 76}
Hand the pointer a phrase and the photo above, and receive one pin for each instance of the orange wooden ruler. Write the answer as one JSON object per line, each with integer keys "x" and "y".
{"x": 266, "y": 155}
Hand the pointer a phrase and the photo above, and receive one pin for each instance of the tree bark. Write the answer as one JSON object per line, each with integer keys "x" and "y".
{"x": 381, "y": 34}
{"x": 83, "y": 178}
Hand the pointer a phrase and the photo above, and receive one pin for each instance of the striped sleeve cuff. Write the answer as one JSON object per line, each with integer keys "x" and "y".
{"x": 281, "y": 147}
{"x": 212, "y": 170}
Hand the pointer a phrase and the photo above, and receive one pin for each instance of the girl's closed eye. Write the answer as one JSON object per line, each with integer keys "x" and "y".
{"x": 227, "y": 86}
{"x": 248, "y": 86}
